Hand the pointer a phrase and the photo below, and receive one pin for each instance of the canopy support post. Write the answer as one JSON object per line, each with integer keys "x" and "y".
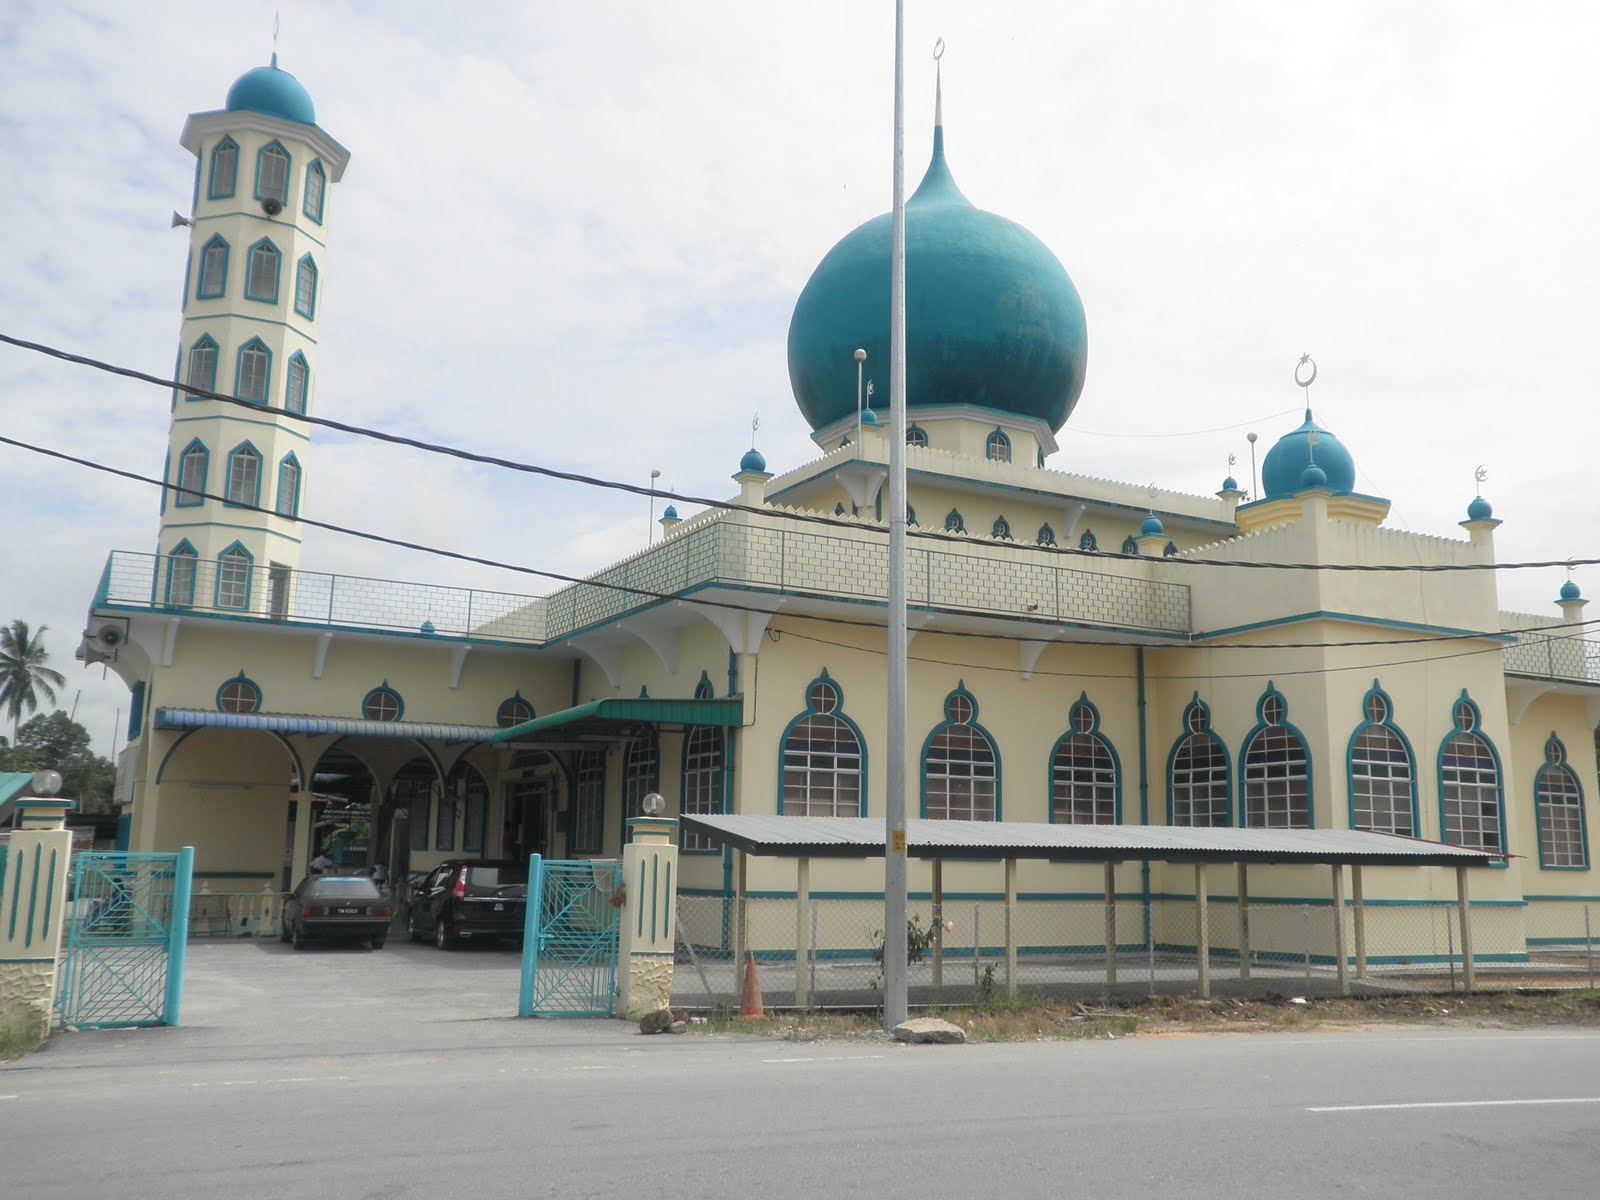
{"x": 1011, "y": 928}
{"x": 1244, "y": 921}
{"x": 741, "y": 921}
{"x": 802, "y": 930}
{"x": 938, "y": 923}
{"x": 1360, "y": 920}
{"x": 1469, "y": 977}
{"x": 1202, "y": 941}
{"x": 1342, "y": 965}
{"x": 1111, "y": 923}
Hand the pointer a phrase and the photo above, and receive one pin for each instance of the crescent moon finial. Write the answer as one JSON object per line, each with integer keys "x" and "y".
{"x": 1305, "y": 360}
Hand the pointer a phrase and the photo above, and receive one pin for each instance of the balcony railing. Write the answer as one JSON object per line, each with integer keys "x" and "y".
{"x": 1550, "y": 653}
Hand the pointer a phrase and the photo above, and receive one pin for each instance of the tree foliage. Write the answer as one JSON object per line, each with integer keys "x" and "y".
{"x": 24, "y": 677}
{"x": 58, "y": 743}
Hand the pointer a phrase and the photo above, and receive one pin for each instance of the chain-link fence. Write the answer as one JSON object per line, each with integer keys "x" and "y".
{"x": 828, "y": 952}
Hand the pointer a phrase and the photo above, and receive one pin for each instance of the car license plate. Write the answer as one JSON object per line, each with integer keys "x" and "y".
{"x": 499, "y": 908}
{"x": 347, "y": 912}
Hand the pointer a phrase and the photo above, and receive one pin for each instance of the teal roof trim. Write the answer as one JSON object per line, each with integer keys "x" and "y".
{"x": 728, "y": 713}
{"x": 13, "y": 784}
{"x": 285, "y": 723}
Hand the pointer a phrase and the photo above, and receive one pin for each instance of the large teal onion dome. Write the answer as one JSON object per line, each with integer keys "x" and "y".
{"x": 992, "y": 318}
{"x": 272, "y": 92}
{"x": 1283, "y": 469}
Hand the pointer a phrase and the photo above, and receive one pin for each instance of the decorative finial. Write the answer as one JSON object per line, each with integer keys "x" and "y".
{"x": 276, "y": 18}
{"x": 869, "y": 389}
{"x": 1311, "y": 447}
{"x": 755, "y": 424}
{"x": 1480, "y": 473}
{"x": 1305, "y": 360}
{"x": 1232, "y": 458}
{"x": 1152, "y": 491}
{"x": 938, "y": 84}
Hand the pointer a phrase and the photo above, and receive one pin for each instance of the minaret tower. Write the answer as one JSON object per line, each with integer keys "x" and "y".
{"x": 252, "y": 296}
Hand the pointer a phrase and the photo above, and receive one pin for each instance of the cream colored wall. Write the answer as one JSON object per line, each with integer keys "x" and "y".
{"x": 1568, "y": 718}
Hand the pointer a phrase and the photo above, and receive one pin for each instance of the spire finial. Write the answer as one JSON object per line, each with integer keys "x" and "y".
{"x": 938, "y": 85}
{"x": 755, "y": 424}
{"x": 1306, "y": 360}
{"x": 276, "y": 18}
{"x": 1480, "y": 473}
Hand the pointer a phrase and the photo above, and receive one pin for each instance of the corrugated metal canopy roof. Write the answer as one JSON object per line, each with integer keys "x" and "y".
{"x": 197, "y": 718}
{"x": 863, "y": 837}
{"x": 607, "y": 715}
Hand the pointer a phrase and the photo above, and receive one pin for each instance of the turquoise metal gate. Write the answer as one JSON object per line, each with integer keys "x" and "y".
{"x": 125, "y": 940}
{"x": 569, "y": 948}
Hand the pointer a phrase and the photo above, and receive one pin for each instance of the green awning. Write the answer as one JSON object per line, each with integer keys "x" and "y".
{"x": 612, "y": 716}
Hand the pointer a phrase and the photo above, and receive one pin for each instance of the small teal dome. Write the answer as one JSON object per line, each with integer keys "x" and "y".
{"x": 1569, "y": 591}
{"x": 753, "y": 462}
{"x": 1230, "y": 484}
{"x": 1286, "y": 462}
{"x": 1313, "y": 477}
{"x": 1479, "y": 510}
{"x": 427, "y": 627}
{"x": 868, "y": 417}
{"x": 992, "y": 318}
{"x": 669, "y": 513}
{"x": 273, "y": 93}
{"x": 1151, "y": 527}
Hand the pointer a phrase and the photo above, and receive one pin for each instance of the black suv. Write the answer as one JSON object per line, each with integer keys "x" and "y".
{"x": 460, "y": 899}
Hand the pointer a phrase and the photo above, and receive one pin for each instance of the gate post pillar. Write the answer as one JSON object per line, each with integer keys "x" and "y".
{"x": 32, "y": 905}
{"x": 647, "y": 932}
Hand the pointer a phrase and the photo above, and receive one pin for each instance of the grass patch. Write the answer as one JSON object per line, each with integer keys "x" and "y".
{"x": 15, "y": 1042}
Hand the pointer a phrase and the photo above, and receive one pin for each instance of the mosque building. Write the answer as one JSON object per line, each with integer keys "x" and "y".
{"x": 1082, "y": 650}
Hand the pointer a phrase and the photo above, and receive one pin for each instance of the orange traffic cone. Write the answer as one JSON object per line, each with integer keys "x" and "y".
{"x": 750, "y": 1002}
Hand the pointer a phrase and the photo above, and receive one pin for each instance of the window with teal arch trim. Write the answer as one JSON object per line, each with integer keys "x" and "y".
{"x": 997, "y": 447}
{"x": 224, "y": 170}
{"x": 297, "y": 382}
{"x": 272, "y": 173}
{"x": 1382, "y": 773}
{"x": 192, "y": 465}
{"x": 213, "y": 280}
{"x": 288, "y": 503}
{"x": 822, "y": 771}
{"x": 513, "y": 710}
{"x": 1087, "y": 541}
{"x": 911, "y": 515}
{"x": 316, "y": 191}
{"x": 382, "y": 703}
{"x": 244, "y": 477}
{"x": 182, "y": 566}
{"x": 1129, "y": 545}
{"x": 1199, "y": 787}
{"x": 239, "y": 695}
{"x": 1471, "y": 796}
{"x": 1001, "y": 531}
{"x": 305, "y": 287}
{"x": 254, "y": 372}
{"x": 960, "y": 765}
{"x": 234, "y": 569}
{"x": 916, "y": 435}
{"x": 261, "y": 272}
{"x": 1046, "y": 536}
{"x": 202, "y": 366}
{"x": 136, "y": 710}
{"x": 166, "y": 478}
{"x": 953, "y": 522}
{"x": 641, "y": 772}
{"x": 588, "y": 803}
{"x": 1275, "y": 769}
{"x": 1085, "y": 783}
{"x": 702, "y": 782}
{"x": 1558, "y": 799}
{"x": 703, "y": 690}
{"x": 1170, "y": 550}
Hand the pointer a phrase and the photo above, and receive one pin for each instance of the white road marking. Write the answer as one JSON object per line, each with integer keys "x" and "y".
{"x": 828, "y": 1058}
{"x": 1452, "y": 1104}
{"x": 10, "y": 1097}
{"x": 787, "y": 1060}
{"x": 596, "y": 1067}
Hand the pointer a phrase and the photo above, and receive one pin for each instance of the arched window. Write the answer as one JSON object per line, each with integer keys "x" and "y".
{"x": 203, "y": 366}
{"x": 305, "y": 287}
{"x": 513, "y": 711}
{"x": 255, "y": 371}
{"x": 953, "y": 522}
{"x": 239, "y": 695}
{"x": 213, "y": 269}
{"x": 1558, "y": 797}
{"x": 1383, "y": 784}
{"x": 911, "y": 515}
{"x": 166, "y": 478}
{"x": 1275, "y": 769}
{"x": 703, "y": 689}
{"x": 588, "y": 803}
{"x": 297, "y": 383}
{"x": 244, "y": 476}
{"x": 702, "y": 782}
{"x": 192, "y": 474}
{"x": 997, "y": 447}
{"x": 641, "y": 772}
{"x": 272, "y": 173}
{"x": 288, "y": 487}
{"x": 466, "y": 787}
{"x": 1001, "y": 531}
{"x": 1198, "y": 788}
{"x": 224, "y": 170}
{"x": 1084, "y": 784}
{"x": 233, "y": 577}
{"x": 1047, "y": 536}
{"x": 1469, "y": 784}
{"x": 960, "y": 768}
{"x": 261, "y": 274}
{"x": 1170, "y": 550}
{"x": 823, "y": 758}
{"x": 1087, "y": 541}
{"x": 316, "y": 190}
{"x": 181, "y": 564}
{"x": 383, "y": 703}
{"x": 1129, "y": 546}
{"x": 916, "y": 435}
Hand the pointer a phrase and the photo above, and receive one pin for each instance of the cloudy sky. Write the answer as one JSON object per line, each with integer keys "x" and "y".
{"x": 574, "y": 233}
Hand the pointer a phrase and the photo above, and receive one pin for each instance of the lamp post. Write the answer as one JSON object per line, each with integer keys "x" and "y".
{"x": 650, "y": 531}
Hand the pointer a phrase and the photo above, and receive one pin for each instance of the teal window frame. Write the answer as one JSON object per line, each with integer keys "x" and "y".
{"x": 240, "y": 683}
{"x": 916, "y": 435}
{"x": 1197, "y": 732}
{"x": 166, "y": 479}
{"x": 641, "y": 772}
{"x": 1087, "y": 541}
{"x": 229, "y": 500}
{"x": 701, "y": 780}
{"x": 298, "y": 368}
{"x": 1376, "y": 692}
{"x": 1557, "y": 767}
{"x": 216, "y": 244}
{"x": 1471, "y": 734}
{"x": 253, "y": 396}
{"x": 1268, "y": 776}
{"x": 315, "y": 169}
{"x": 386, "y": 695}
{"x": 198, "y": 374}
{"x": 997, "y": 447}
{"x": 1130, "y": 545}
{"x": 136, "y": 710}
{"x": 801, "y": 763}
{"x": 189, "y": 555}
{"x": 305, "y": 269}
{"x": 952, "y": 751}
{"x": 251, "y": 291}
{"x": 588, "y": 817}
{"x": 213, "y": 192}
{"x": 189, "y": 496}
{"x": 1075, "y": 761}
{"x": 954, "y": 522}
{"x": 1001, "y": 530}
{"x": 230, "y": 557}
{"x": 282, "y": 195}
{"x": 513, "y": 710}
{"x": 1046, "y": 536}
{"x": 466, "y": 779}
{"x": 292, "y": 510}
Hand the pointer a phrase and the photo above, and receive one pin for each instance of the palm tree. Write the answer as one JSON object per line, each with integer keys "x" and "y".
{"x": 23, "y": 674}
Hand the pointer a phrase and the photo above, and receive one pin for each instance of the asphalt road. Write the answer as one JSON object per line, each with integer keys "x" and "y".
{"x": 479, "y": 1107}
